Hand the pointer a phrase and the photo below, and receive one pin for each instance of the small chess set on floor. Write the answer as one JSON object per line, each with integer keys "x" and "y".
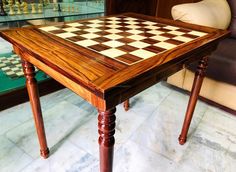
{"x": 11, "y": 66}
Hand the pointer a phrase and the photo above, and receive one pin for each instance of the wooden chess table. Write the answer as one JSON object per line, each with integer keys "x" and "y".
{"x": 110, "y": 59}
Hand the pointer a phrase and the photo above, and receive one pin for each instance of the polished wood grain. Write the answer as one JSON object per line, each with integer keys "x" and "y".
{"x": 197, "y": 83}
{"x": 102, "y": 81}
{"x": 32, "y": 88}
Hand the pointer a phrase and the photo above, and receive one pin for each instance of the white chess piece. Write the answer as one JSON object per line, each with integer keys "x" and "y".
{"x": 40, "y": 8}
{"x": 18, "y": 8}
{"x": 11, "y": 8}
{"x": 33, "y": 11}
{"x": 4, "y": 4}
{"x": 25, "y": 8}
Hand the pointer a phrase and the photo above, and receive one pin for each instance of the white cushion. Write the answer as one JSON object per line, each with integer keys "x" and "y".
{"x": 212, "y": 13}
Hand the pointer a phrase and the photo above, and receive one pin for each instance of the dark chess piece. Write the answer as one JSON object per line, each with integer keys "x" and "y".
{"x": 59, "y": 7}
{"x": 2, "y": 12}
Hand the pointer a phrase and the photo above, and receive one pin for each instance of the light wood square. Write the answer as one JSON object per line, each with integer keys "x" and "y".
{"x": 113, "y": 43}
{"x": 113, "y": 31}
{"x": 149, "y": 23}
{"x": 112, "y": 53}
{"x": 159, "y": 38}
{"x": 133, "y": 26}
{"x": 176, "y": 33}
{"x": 165, "y": 45}
{"x": 183, "y": 39}
{"x": 71, "y": 29}
{"x": 134, "y": 31}
{"x": 86, "y": 43}
{"x": 197, "y": 33}
{"x": 92, "y": 30}
{"x": 171, "y": 27}
{"x": 143, "y": 53}
{"x": 74, "y": 24}
{"x": 66, "y": 35}
{"x": 139, "y": 44}
{"x": 113, "y": 36}
{"x": 90, "y": 35}
{"x": 130, "y": 18}
{"x": 49, "y": 28}
{"x": 152, "y": 27}
{"x": 155, "y": 32}
{"x": 96, "y": 21}
{"x": 95, "y": 25}
{"x": 137, "y": 37}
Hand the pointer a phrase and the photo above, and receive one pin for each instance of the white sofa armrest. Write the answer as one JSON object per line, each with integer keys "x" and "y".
{"x": 212, "y": 13}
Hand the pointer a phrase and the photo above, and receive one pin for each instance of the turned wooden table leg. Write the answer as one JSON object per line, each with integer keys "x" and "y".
{"x": 126, "y": 105}
{"x": 106, "y": 130}
{"x": 32, "y": 88}
{"x": 199, "y": 76}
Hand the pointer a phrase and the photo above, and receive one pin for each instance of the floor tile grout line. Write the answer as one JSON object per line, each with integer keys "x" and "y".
{"x": 77, "y": 146}
{"x": 150, "y": 113}
{"x": 131, "y": 135}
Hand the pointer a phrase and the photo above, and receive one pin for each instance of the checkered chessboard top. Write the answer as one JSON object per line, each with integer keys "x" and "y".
{"x": 125, "y": 39}
{"x": 11, "y": 66}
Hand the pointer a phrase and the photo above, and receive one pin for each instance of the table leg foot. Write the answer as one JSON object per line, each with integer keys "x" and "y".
{"x": 32, "y": 89}
{"x": 198, "y": 79}
{"x": 182, "y": 140}
{"x": 44, "y": 153}
{"x": 126, "y": 105}
{"x": 106, "y": 130}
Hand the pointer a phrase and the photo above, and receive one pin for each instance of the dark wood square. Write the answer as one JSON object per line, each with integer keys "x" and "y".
{"x": 99, "y": 47}
{"x": 129, "y": 58}
{"x": 150, "y": 41}
{"x": 125, "y": 40}
{"x": 57, "y": 31}
{"x": 175, "y": 42}
{"x": 101, "y": 39}
{"x": 154, "y": 49}
{"x": 76, "y": 38}
{"x": 127, "y": 48}
{"x": 168, "y": 35}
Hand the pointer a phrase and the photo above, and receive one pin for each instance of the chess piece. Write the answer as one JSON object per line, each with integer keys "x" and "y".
{"x": 54, "y": 7}
{"x": 59, "y": 7}
{"x": 18, "y": 8}
{"x": 72, "y": 9}
{"x": 33, "y": 10}
{"x": 46, "y": 2}
{"x": 63, "y": 9}
{"x": 68, "y": 8}
{"x": 25, "y": 8}
{"x": 40, "y": 8}
{"x": 4, "y": 4}
{"x": 11, "y": 8}
{"x": 2, "y": 11}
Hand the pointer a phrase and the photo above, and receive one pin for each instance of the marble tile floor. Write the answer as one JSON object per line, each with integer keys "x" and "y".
{"x": 146, "y": 136}
{"x": 5, "y": 47}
